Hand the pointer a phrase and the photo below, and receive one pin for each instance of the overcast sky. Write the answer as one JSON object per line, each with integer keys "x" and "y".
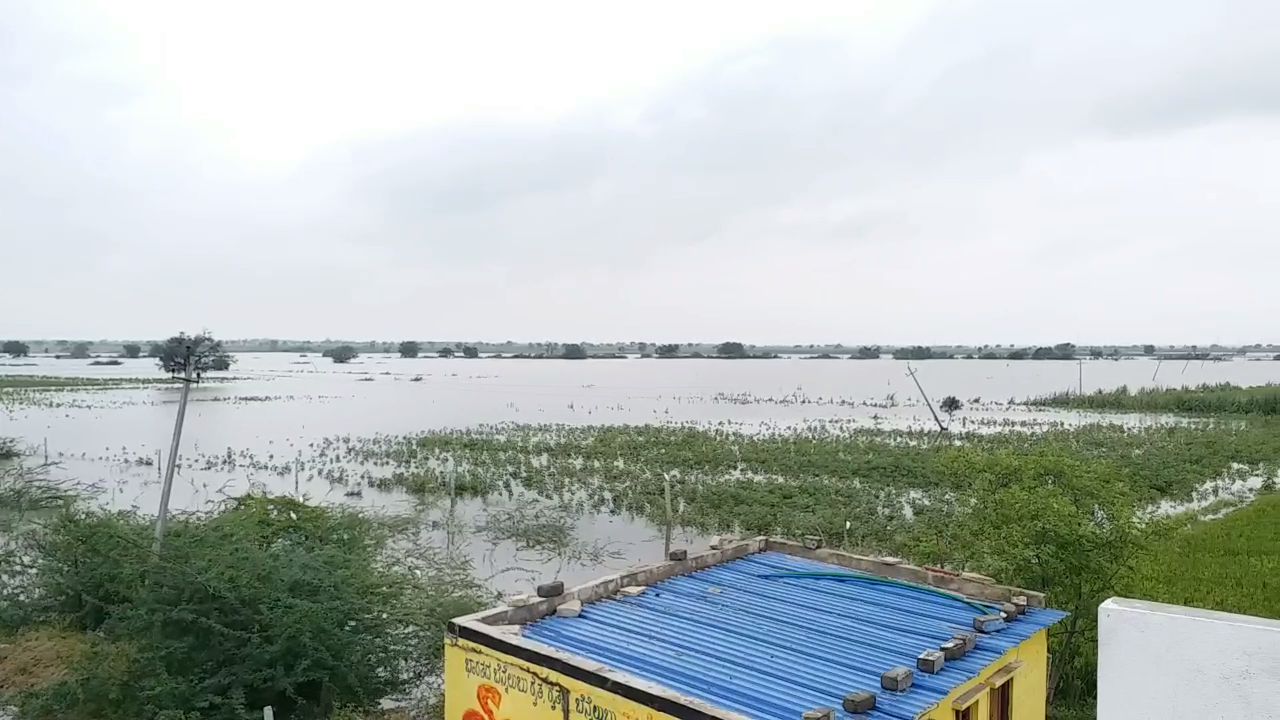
{"x": 856, "y": 171}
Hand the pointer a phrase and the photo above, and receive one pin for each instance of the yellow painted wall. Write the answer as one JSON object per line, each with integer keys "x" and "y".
{"x": 483, "y": 684}
{"x": 1029, "y": 683}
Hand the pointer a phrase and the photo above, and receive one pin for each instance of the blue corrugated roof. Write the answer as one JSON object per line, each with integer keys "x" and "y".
{"x": 737, "y": 636}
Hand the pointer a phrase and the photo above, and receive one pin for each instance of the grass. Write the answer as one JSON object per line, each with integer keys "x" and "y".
{"x": 1231, "y": 564}
{"x": 1220, "y": 399}
{"x": 53, "y": 382}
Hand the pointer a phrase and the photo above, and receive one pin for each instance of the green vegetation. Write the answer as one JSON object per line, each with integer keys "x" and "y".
{"x": 866, "y": 352}
{"x": 1231, "y": 564}
{"x": 266, "y": 601}
{"x": 470, "y": 351}
{"x": 410, "y": 349}
{"x": 200, "y": 353}
{"x": 1221, "y": 399}
{"x": 950, "y": 405}
{"x": 15, "y": 348}
{"x": 445, "y": 352}
{"x": 731, "y": 349}
{"x": 573, "y": 351}
{"x": 341, "y": 354}
{"x": 918, "y": 352}
{"x": 131, "y": 350}
{"x": 79, "y": 351}
{"x": 9, "y": 448}
{"x": 49, "y": 382}
{"x": 667, "y": 350}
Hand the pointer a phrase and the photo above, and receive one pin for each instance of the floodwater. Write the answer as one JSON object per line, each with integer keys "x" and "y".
{"x": 278, "y": 403}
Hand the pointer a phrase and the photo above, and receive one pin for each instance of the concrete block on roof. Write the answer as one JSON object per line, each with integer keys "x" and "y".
{"x": 898, "y": 679}
{"x": 969, "y": 639}
{"x": 571, "y": 609}
{"x": 716, "y": 542}
{"x": 632, "y": 590}
{"x": 1020, "y": 602}
{"x": 890, "y": 560}
{"x": 988, "y": 623}
{"x": 1009, "y": 611}
{"x": 819, "y": 714}
{"x": 952, "y": 649}
{"x": 678, "y": 555}
{"x": 519, "y": 600}
{"x": 551, "y": 589}
{"x": 859, "y": 702}
{"x": 931, "y": 661}
{"x": 812, "y": 542}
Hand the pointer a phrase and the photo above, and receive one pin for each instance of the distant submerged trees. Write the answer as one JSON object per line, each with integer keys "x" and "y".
{"x": 470, "y": 351}
{"x": 80, "y": 351}
{"x": 15, "y": 348}
{"x": 410, "y": 349}
{"x": 731, "y": 349}
{"x": 866, "y": 352}
{"x": 667, "y": 350}
{"x": 574, "y": 351}
{"x": 131, "y": 350}
{"x": 341, "y": 354}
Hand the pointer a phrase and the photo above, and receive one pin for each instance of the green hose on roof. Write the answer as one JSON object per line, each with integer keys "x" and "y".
{"x": 983, "y": 609}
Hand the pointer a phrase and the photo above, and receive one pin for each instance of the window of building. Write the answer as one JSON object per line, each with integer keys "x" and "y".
{"x": 1002, "y": 701}
{"x": 967, "y": 713}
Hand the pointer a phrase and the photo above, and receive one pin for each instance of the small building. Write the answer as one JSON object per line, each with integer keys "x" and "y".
{"x": 760, "y": 629}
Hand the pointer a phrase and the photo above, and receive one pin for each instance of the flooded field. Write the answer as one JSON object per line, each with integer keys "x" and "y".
{"x": 274, "y": 422}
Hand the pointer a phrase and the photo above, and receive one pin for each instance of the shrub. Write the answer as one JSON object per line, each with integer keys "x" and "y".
{"x": 267, "y": 601}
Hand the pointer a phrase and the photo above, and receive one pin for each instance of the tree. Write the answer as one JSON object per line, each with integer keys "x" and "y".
{"x": 1095, "y": 352}
{"x": 917, "y": 352}
{"x": 574, "y": 351}
{"x": 80, "y": 351}
{"x": 131, "y": 350}
{"x": 155, "y": 351}
{"x": 950, "y": 404}
{"x": 341, "y": 354}
{"x": 202, "y": 352}
{"x": 470, "y": 351}
{"x": 1148, "y": 349}
{"x": 667, "y": 350}
{"x": 867, "y": 352}
{"x": 15, "y": 348}
{"x": 1017, "y": 355}
{"x": 643, "y": 347}
{"x": 445, "y": 352}
{"x": 731, "y": 349}
{"x": 409, "y": 349}
{"x": 1075, "y": 529}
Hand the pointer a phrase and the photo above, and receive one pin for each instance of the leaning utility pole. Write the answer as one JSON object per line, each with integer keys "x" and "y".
{"x": 162, "y": 517}
{"x": 911, "y": 371}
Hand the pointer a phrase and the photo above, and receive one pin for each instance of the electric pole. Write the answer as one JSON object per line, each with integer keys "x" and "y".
{"x": 162, "y": 517}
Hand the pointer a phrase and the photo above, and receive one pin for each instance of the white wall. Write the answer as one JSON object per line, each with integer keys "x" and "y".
{"x": 1165, "y": 662}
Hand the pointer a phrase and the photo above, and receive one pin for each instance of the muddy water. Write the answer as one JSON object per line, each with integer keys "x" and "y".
{"x": 278, "y": 404}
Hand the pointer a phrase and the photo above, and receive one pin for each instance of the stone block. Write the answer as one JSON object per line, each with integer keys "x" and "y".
{"x": 931, "y": 661}
{"x": 678, "y": 555}
{"x": 570, "y": 609}
{"x": 819, "y": 714}
{"x": 551, "y": 589}
{"x": 1020, "y": 602}
{"x": 632, "y": 590}
{"x": 890, "y": 560}
{"x": 812, "y": 542}
{"x": 1009, "y": 611}
{"x": 898, "y": 679}
{"x": 519, "y": 600}
{"x": 988, "y": 623}
{"x": 859, "y": 702}
{"x": 952, "y": 649}
{"x": 969, "y": 639}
